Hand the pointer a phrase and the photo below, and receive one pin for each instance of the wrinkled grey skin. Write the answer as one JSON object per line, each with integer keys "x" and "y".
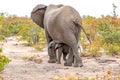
{"x": 63, "y": 25}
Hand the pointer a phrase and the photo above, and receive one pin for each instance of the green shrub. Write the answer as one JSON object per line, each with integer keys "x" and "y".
{"x": 1, "y": 37}
{"x": 111, "y": 48}
{"x": 3, "y": 61}
{"x": 113, "y": 37}
{"x": 116, "y": 37}
{"x": 1, "y": 50}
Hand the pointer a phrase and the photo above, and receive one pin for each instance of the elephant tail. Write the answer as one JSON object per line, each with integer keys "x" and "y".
{"x": 79, "y": 23}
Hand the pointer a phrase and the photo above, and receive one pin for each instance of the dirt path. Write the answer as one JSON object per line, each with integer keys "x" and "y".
{"x": 20, "y": 69}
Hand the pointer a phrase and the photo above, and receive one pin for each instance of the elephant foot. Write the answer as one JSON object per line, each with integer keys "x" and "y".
{"x": 67, "y": 64}
{"x": 78, "y": 64}
{"x": 52, "y": 61}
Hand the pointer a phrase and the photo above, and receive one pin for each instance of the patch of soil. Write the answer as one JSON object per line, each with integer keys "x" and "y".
{"x": 20, "y": 69}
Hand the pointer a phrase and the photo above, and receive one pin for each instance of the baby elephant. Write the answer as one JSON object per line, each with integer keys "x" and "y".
{"x": 62, "y": 49}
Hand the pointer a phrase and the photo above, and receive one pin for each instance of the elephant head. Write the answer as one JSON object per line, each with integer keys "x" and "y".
{"x": 37, "y": 14}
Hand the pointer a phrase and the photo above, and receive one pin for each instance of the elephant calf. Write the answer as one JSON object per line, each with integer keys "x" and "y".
{"x": 62, "y": 49}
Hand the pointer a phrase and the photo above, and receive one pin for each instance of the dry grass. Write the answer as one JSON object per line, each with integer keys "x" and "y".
{"x": 36, "y": 58}
{"x": 110, "y": 75}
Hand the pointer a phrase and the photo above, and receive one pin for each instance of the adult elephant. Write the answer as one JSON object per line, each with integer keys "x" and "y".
{"x": 62, "y": 24}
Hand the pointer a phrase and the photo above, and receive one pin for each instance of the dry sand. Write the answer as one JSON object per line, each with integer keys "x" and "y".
{"x": 20, "y": 69}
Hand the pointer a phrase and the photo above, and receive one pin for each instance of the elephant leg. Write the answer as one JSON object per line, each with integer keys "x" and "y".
{"x": 51, "y": 56}
{"x": 59, "y": 55}
{"x": 73, "y": 58}
{"x": 51, "y": 49}
{"x": 69, "y": 60}
{"x": 78, "y": 60}
{"x": 72, "y": 43}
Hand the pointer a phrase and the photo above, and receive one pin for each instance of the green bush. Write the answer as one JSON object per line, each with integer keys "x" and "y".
{"x": 111, "y": 48}
{"x": 3, "y": 61}
{"x": 1, "y": 37}
{"x": 14, "y": 28}
{"x": 116, "y": 37}
{"x": 113, "y": 38}
{"x": 1, "y": 50}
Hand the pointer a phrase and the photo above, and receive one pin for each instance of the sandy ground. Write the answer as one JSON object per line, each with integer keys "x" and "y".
{"x": 20, "y": 69}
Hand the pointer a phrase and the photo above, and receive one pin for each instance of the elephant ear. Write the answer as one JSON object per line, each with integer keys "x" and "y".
{"x": 38, "y": 7}
{"x": 37, "y": 14}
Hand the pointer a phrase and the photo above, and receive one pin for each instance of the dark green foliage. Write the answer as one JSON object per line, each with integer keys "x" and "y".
{"x": 113, "y": 38}
{"x": 14, "y": 28}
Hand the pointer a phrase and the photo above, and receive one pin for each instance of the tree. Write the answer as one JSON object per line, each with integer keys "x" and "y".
{"x": 114, "y": 10}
